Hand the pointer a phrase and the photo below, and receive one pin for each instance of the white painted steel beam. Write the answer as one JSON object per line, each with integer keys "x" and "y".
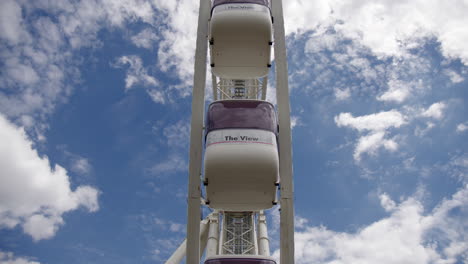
{"x": 263, "y": 241}
{"x": 284, "y": 119}
{"x": 213, "y": 235}
{"x": 196, "y": 135}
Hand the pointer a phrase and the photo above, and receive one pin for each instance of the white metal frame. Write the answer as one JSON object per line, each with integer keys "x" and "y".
{"x": 196, "y": 135}
{"x": 193, "y": 247}
{"x": 284, "y": 119}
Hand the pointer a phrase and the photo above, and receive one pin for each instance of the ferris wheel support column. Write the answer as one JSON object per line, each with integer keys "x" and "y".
{"x": 284, "y": 118}
{"x": 196, "y": 136}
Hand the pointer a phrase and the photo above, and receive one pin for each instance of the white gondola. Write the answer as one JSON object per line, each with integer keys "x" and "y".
{"x": 240, "y": 38}
{"x": 240, "y": 259}
{"x": 241, "y": 156}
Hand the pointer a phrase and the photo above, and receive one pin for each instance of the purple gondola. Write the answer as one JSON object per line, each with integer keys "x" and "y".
{"x": 241, "y": 156}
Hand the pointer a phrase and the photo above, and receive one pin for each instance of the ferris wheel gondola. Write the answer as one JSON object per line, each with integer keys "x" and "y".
{"x": 240, "y": 38}
{"x": 241, "y": 156}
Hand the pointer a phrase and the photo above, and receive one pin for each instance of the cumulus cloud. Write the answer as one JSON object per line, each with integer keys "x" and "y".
{"x": 37, "y": 74}
{"x": 435, "y": 111}
{"x": 137, "y": 74}
{"x": 9, "y": 258}
{"x": 454, "y": 76}
{"x": 388, "y": 28}
{"x": 33, "y": 194}
{"x": 342, "y": 94}
{"x": 371, "y": 143}
{"x": 373, "y": 122}
{"x": 145, "y": 39}
{"x": 156, "y": 96}
{"x": 178, "y": 134}
{"x": 462, "y": 127}
{"x": 176, "y": 49}
{"x": 398, "y": 91}
{"x": 405, "y": 236}
{"x": 375, "y": 125}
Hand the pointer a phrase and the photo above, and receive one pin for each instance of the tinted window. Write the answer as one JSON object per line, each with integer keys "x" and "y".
{"x": 241, "y": 114}
{"x": 239, "y": 261}
{"x": 260, "y": 2}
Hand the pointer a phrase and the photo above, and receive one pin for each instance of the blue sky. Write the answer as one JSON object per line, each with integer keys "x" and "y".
{"x": 94, "y": 124}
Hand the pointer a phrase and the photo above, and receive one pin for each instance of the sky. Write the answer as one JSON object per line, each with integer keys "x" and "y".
{"x": 95, "y": 100}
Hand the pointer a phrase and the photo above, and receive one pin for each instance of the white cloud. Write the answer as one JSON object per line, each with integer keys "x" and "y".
{"x": 32, "y": 193}
{"x": 374, "y": 122}
{"x": 137, "y": 74}
{"x": 169, "y": 225}
{"x": 295, "y": 121}
{"x": 11, "y": 22}
{"x": 387, "y": 203}
{"x": 178, "y": 134}
{"x": 177, "y": 46}
{"x": 420, "y": 132}
{"x": 407, "y": 235}
{"x": 343, "y": 94}
{"x": 435, "y": 111}
{"x": 145, "y": 39}
{"x": 40, "y": 74}
{"x": 376, "y": 126}
{"x": 9, "y": 258}
{"x": 398, "y": 91}
{"x": 454, "y": 76}
{"x": 386, "y": 27}
{"x": 157, "y": 96}
{"x": 81, "y": 165}
{"x": 462, "y": 127}
{"x": 371, "y": 143}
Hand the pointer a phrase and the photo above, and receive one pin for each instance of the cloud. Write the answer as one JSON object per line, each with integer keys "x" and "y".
{"x": 462, "y": 127}
{"x": 9, "y": 258}
{"x": 435, "y": 111}
{"x": 373, "y": 122}
{"x": 405, "y": 236}
{"x": 176, "y": 49}
{"x": 387, "y": 203}
{"x": 33, "y": 194}
{"x": 386, "y": 27}
{"x": 178, "y": 134}
{"x": 156, "y": 96}
{"x": 295, "y": 121}
{"x": 174, "y": 163}
{"x": 342, "y": 95}
{"x": 454, "y": 76}
{"x": 420, "y": 132}
{"x": 398, "y": 91}
{"x": 376, "y": 126}
{"x": 145, "y": 39}
{"x": 11, "y": 22}
{"x": 169, "y": 225}
{"x": 137, "y": 74}
{"x": 371, "y": 143}
{"x": 38, "y": 74}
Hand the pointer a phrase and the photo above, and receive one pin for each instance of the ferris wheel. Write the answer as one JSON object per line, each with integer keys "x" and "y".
{"x": 240, "y": 149}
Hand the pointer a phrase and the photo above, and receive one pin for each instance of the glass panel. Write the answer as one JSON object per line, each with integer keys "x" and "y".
{"x": 241, "y": 114}
{"x": 260, "y": 2}
{"x": 239, "y": 261}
